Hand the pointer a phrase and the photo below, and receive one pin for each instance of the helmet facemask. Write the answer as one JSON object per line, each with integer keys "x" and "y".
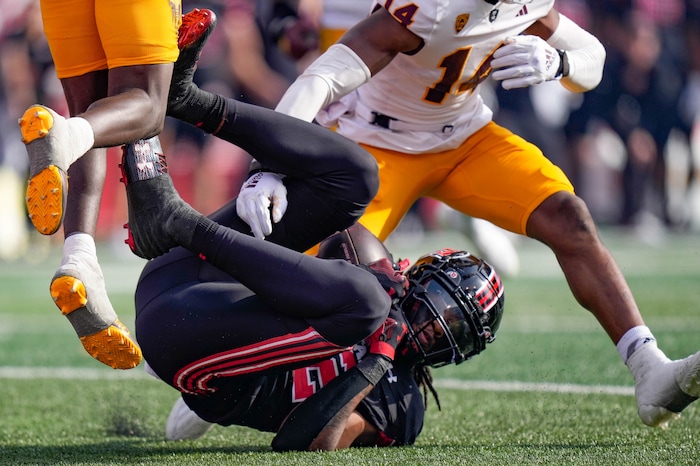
{"x": 445, "y": 307}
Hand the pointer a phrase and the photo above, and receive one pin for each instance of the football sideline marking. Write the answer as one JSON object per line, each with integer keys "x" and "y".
{"x": 73, "y": 373}
{"x": 534, "y": 387}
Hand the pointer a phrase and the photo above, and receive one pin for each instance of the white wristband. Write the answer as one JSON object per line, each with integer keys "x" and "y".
{"x": 334, "y": 74}
{"x": 585, "y": 53}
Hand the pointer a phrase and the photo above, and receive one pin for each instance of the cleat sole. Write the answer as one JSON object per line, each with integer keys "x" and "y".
{"x": 68, "y": 293}
{"x": 113, "y": 347}
{"x": 193, "y": 24}
{"x": 36, "y": 123}
{"x": 46, "y": 200}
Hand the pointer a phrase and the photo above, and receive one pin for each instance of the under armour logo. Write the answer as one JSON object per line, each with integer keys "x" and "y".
{"x": 493, "y": 14}
{"x": 390, "y": 377}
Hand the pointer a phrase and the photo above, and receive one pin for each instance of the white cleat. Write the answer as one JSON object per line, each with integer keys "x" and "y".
{"x": 663, "y": 387}
{"x": 184, "y": 424}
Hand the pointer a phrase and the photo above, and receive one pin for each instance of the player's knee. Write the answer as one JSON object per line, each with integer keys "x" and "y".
{"x": 562, "y": 220}
{"x": 362, "y": 175}
{"x": 370, "y": 306}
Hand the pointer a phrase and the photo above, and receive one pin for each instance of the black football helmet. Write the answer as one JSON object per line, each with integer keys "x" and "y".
{"x": 453, "y": 307}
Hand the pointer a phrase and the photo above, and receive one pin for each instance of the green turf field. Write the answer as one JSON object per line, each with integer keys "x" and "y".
{"x": 550, "y": 390}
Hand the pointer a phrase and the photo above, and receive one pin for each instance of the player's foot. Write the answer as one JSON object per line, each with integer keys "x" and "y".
{"x": 184, "y": 424}
{"x": 44, "y": 132}
{"x": 663, "y": 387}
{"x": 78, "y": 289}
{"x": 155, "y": 207}
{"x": 197, "y": 26}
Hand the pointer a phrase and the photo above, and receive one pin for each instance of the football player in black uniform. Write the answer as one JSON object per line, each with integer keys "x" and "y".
{"x": 228, "y": 319}
{"x": 453, "y": 306}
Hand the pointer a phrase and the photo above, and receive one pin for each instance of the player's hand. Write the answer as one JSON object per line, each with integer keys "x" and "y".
{"x": 261, "y": 192}
{"x": 523, "y": 61}
{"x": 389, "y": 335}
{"x": 391, "y": 279}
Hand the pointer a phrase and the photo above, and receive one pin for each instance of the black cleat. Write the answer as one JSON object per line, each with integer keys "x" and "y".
{"x": 197, "y": 26}
{"x": 152, "y": 199}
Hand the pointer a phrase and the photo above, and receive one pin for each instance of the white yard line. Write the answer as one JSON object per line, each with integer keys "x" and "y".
{"x": 73, "y": 373}
{"x": 533, "y": 387}
{"x": 69, "y": 373}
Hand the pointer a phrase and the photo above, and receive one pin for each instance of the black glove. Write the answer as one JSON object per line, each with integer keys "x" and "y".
{"x": 391, "y": 279}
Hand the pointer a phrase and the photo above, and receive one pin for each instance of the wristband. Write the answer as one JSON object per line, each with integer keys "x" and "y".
{"x": 563, "y": 69}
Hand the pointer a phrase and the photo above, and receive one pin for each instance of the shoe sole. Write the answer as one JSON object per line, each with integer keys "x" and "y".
{"x": 194, "y": 24}
{"x": 45, "y": 199}
{"x": 113, "y": 345}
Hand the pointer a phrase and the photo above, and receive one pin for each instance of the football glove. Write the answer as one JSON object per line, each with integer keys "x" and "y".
{"x": 387, "y": 337}
{"x": 523, "y": 61}
{"x": 391, "y": 279}
{"x": 261, "y": 192}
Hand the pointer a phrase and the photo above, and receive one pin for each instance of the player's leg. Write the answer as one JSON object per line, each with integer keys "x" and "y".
{"x": 54, "y": 144}
{"x": 78, "y": 286}
{"x": 663, "y": 387}
{"x": 86, "y": 37}
{"x": 402, "y": 181}
{"x": 329, "y": 178}
{"x": 534, "y": 197}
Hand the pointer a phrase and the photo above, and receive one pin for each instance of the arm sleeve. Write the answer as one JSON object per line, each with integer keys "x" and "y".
{"x": 585, "y": 54}
{"x": 395, "y": 407}
{"x": 334, "y": 74}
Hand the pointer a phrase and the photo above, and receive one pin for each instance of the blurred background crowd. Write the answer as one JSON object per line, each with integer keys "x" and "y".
{"x": 631, "y": 146}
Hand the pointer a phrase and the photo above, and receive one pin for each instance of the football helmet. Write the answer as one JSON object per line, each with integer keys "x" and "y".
{"x": 453, "y": 307}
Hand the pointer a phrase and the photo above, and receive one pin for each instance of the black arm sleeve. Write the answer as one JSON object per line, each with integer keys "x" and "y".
{"x": 305, "y": 423}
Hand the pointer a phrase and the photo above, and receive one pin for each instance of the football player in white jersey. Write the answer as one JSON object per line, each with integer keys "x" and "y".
{"x": 404, "y": 83}
{"x": 494, "y": 244}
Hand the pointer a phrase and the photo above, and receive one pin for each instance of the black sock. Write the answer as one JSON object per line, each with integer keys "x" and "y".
{"x": 200, "y": 108}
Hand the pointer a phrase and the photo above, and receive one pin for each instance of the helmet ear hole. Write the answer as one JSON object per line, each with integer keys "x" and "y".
{"x": 453, "y": 307}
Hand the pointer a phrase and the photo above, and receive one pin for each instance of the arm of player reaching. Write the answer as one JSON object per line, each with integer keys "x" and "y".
{"x": 583, "y": 52}
{"x": 361, "y": 52}
{"x": 334, "y": 74}
{"x": 570, "y": 54}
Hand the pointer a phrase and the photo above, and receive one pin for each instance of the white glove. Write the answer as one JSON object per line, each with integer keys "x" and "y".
{"x": 261, "y": 190}
{"x": 523, "y": 61}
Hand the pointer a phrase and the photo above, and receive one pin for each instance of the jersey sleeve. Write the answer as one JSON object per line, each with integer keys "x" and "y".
{"x": 395, "y": 407}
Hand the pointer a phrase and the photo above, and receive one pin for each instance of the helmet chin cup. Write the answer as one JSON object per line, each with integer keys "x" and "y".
{"x": 453, "y": 307}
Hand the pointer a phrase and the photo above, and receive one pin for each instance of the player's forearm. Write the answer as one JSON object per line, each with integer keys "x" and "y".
{"x": 331, "y": 76}
{"x": 584, "y": 53}
{"x": 340, "y": 432}
{"x": 319, "y": 421}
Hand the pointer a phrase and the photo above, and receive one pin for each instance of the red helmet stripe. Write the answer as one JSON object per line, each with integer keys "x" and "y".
{"x": 490, "y": 292}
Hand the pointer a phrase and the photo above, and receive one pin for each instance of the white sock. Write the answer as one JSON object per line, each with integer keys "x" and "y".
{"x": 632, "y": 340}
{"x": 79, "y": 243}
{"x": 82, "y": 137}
